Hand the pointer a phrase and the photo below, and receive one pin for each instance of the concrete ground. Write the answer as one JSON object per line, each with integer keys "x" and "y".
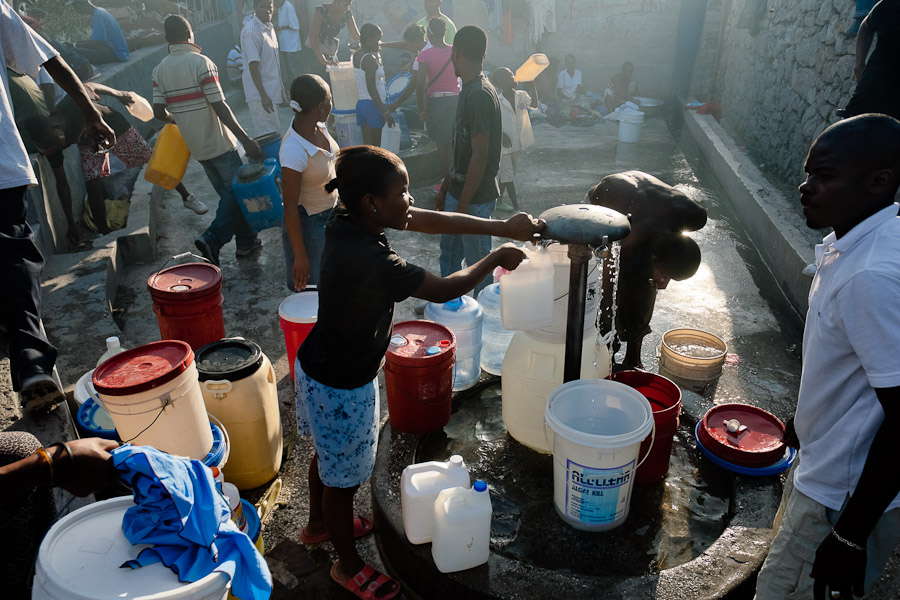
{"x": 732, "y": 295}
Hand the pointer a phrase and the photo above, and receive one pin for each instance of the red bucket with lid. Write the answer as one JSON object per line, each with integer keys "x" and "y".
{"x": 665, "y": 398}
{"x": 418, "y": 376}
{"x": 742, "y": 434}
{"x": 152, "y": 393}
{"x": 187, "y": 300}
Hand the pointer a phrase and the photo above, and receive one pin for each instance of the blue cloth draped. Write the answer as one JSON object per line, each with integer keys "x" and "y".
{"x": 179, "y": 511}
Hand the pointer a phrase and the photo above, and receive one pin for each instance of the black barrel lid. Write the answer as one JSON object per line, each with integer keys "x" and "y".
{"x": 228, "y": 358}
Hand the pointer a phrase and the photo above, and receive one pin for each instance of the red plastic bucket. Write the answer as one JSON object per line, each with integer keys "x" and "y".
{"x": 418, "y": 376}
{"x": 297, "y": 314}
{"x": 665, "y": 398}
{"x": 187, "y": 300}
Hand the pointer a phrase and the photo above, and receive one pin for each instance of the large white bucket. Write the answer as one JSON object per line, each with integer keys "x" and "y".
{"x": 153, "y": 395}
{"x": 80, "y": 557}
{"x": 344, "y": 91}
{"x": 599, "y": 426}
{"x": 630, "y": 125}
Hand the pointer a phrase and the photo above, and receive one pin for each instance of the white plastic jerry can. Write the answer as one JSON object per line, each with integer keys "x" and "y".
{"x": 526, "y": 294}
{"x": 390, "y": 137}
{"x": 420, "y": 485}
{"x": 462, "y": 528}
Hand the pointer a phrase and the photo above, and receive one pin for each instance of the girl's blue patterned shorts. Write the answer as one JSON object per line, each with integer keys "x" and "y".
{"x": 343, "y": 425}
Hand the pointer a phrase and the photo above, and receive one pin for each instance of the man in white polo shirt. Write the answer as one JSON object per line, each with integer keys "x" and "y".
{"x": 186, "y": 92}
{"x": 840, "y": 512}
{"x": 263, "y": 87}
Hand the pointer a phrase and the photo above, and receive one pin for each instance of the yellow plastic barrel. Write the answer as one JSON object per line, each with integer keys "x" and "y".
{"x": 169, "y": 160}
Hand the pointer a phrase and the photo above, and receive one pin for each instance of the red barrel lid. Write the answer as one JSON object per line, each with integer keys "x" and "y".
{"x": 143, "y": 368}
{"x": 420, "y": 343}
{"x": 184, "y": 281}
{"x": 743, "y": 434}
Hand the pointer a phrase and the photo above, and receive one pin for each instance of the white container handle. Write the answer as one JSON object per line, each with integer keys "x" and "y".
{"x": 652, "y": 441}
{"x": 217, "y": 387}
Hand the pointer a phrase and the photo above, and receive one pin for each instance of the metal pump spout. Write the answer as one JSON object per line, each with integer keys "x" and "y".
{"x": 585, "y": 228}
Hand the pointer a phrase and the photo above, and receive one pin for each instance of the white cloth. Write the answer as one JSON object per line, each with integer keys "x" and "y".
{"x": 260, "y": 44}
{"x": 361, "y": 78}
{"x": 850, "y": 347}
{"x": 316, "y": 165}
{"x": 289, "y": 34}
{"x": 23, "y": 51}
{"x": 568, "y": 83}
{"x": 263, "y": 122}
{"x": 516, "y": 122}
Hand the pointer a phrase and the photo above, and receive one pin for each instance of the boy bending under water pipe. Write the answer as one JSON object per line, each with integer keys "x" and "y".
{"x": 655, "y": 252}
{"x": 337, "y": 365}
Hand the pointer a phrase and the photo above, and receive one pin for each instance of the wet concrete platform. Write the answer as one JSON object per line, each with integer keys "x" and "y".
{"x": 698, "y": 534}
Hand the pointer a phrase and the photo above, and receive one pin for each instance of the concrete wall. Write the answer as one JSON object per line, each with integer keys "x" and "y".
{"x": 602, "y": 34}
{"x": 780, "y": 87}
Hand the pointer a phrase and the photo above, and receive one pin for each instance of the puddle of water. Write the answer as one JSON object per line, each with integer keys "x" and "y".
{"x": 670, "y": 523}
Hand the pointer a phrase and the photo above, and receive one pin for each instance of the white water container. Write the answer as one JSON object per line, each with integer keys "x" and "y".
{"x": 420, "y": 485}
{"x": 347, "y": 132}
{"x": 495, "y": 338}
{"x": 80, "y": 559}
{"x": 113, "y": 347}
{"x": 556, "y": 330}
{"x": 462, "y": 528}
{"x": 390, "y": 137}
{"x": 464, "y": 317}
{"x": 344, "y": 91}
{"x": 526, "y": 294}
{"x": 532, "y": 369}
{"x": 630, "y": 125}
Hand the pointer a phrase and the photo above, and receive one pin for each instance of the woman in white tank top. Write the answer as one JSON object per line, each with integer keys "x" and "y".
{"x": 371, "y": 111}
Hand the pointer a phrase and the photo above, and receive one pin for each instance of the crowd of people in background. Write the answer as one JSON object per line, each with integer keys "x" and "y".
{"x": 339, "y": 202}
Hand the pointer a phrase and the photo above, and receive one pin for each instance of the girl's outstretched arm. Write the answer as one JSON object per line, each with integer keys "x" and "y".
{"x": 521, "y": 226}
{"x": 442, "y": 289}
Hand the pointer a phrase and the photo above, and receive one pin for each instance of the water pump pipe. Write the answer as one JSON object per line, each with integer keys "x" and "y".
{"x": 582, "y": 227}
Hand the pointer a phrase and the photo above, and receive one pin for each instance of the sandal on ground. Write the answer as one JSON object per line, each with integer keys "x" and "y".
{"x": 361, "y": 526}
{"x": 367, "y": 583}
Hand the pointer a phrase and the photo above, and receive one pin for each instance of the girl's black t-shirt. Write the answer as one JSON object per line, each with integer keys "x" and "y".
{"x": 360, "y": 280}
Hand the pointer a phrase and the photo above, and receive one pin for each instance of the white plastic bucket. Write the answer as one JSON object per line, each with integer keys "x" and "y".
{"x": 153, "y": 395}
{"x": 81, "y": 555}
{"x": 348, "y": 133}
{"x": 630, "y": 125}
{"x": 599, "y": 426}
{"x": 84, "y": 389}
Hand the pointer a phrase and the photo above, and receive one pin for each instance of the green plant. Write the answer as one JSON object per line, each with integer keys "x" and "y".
{"x": 60, "y": 22}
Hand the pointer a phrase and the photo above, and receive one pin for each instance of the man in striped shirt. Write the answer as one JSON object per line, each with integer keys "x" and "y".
{"x": 263, "y": 87}
{"x": 186, "y": 92}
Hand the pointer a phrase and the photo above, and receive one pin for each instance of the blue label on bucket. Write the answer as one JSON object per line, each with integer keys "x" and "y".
{"x": 597, "y": 496}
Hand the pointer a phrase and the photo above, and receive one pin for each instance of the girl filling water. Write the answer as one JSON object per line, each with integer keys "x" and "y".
{"x": 336, "y": 368}
{"x": 371, "y": 112}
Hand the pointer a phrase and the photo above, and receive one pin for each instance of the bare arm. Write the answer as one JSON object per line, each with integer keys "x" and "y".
{"x": 223, "y": 111}
{"x": 290, "y": 182}
{"x": 96, "y": 128}
{"x": 162, "y": 113}
{"x": 89, "y": 467}
{"x": 476, "y": 171}
{"x": 352, "y": 28}
{"x": 521, "y": 226}
{"x": 442, "y": 289}
{"x": 314, "y": 31}
{"x": 421, "y": 97}
{"x": 103, "y": 90}
{"x": 49, "y": 91}
{"x": 863, "y": 43}
{"x": 257, "y": 81}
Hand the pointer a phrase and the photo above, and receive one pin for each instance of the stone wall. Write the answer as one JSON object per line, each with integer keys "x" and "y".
{"x": 780, "y": 87}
